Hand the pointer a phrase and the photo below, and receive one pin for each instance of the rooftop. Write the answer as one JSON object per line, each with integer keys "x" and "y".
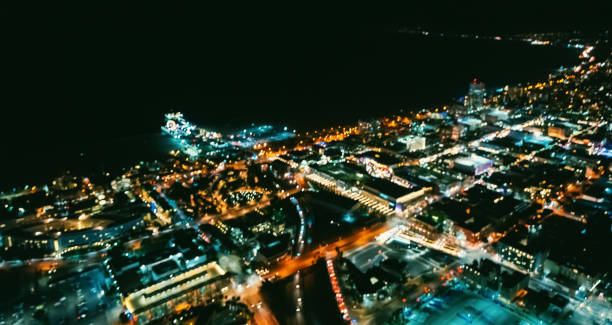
{"x": 381, "y": 158}
{"x": 389, "y": 188}
{"x": 511, "y": 279}
{"x": 162, "y": 291}
{"x": 55, "y": 228}
{"x": 423, "y": 174}
{"x": 472, "y": 161}
{"x": 345, "y": 172}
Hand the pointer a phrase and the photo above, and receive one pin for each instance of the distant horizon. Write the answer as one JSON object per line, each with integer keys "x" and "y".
{"x": 338, "y": 97}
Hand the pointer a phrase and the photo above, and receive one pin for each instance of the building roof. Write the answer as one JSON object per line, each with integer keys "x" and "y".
{"x": 56, "y": 228}
{"x": 485, "y": 267}
{"x": 381, "y": 158}
{"x": 177, "y": 285}
{"x": 512, "y": 279}
{"x": 472, "y": 161}
{"x": 423, "y": 176}
{"x": 470, "y": 121}
{"x": 345, "y": 172}
{"x": 271, "y": 246}
{"x": 520, "y": 239}
{"x": 389, "y": 188}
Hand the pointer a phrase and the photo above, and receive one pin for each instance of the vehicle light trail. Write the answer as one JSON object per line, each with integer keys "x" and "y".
{"x": 336, "y": 288}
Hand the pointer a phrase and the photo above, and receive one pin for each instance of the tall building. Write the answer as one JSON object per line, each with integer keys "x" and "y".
{"x": 475, "y": 98}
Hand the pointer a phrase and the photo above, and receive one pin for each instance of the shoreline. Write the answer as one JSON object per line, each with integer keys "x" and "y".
{"x": 104, "y": 151}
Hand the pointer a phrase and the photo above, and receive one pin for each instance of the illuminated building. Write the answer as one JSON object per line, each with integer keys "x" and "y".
{"x": 495, "y": 116}
{"x": 379, "y": 164}
{"x": 177, "y": 291}
{"x": 167, "y": 274}
{"x": 457, "y": 132}
{"x": 243, "y": 239}
{"x": 558, "y": 132}
{"x": 474, "y": 165}
{"x": 445, "y": 183}
{"x": 177, "y": 126}
{"x": 392, "y": 195}
{"x": 471, "y": 230}
{"x": 517, "y": 257}
{"x": 562, "y": 130}
{"x": 471, "y": 123}
{"x": 489, "y": 277}
{"x": 492, "y": 148}
{"x": 413, "y": 143}
{"x": 452, "y": 132}
{"x": 341, "y": 175}
{"x": 475, "y": 98}
{"x": 59, "y": 237}
{"x": 519, "y": 249}
{"x": 482, "y": 273}
{"x": 158, "y": 205}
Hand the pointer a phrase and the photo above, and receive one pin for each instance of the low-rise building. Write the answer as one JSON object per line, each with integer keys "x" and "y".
{"x": 473, "y": 164}
{"x": 379, "y": 164}
{"x": 413, "y": 143}
{"x": 272, "y": 248}
{"x": 520, "y": 249}
{"x": 176, "y": 291}
{"x": 512, "y": 285}
{"x": 166, "y": 274}
{"x": 394, "y": 196}
{"x": 59, "y": 236}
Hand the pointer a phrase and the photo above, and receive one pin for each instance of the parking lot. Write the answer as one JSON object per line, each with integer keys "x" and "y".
{"x": 462, "y": 308}
{"x": 89, "y": 301}
{"x": 77, "y": 298}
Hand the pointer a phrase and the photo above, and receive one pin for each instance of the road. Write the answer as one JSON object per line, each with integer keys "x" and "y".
{"x": 300, "y": 240}
{"x": 290, "y": 266}
{"x": 250, "y": 296}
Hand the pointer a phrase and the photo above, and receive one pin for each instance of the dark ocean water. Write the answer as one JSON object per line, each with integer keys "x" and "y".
{"x": 118, "y": 124}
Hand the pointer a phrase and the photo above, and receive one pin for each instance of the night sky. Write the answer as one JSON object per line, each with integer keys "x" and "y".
{"x": 81, "y": 73}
